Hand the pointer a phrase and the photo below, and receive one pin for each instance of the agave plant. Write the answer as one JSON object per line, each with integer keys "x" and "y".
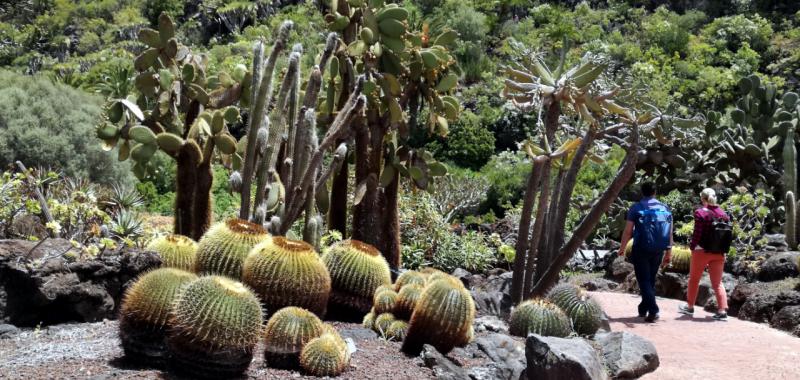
{"x": 125, "y": 197}
{"x": 127, "y": 225}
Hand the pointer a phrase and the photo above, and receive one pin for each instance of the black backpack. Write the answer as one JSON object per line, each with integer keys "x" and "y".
{"x": 719, "y": 237}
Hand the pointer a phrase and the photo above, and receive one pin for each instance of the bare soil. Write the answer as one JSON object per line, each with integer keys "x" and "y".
{"x": 92, "y": 351}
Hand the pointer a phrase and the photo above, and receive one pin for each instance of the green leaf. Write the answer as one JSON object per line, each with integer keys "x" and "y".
{"x": 447, "y": 83}
{"x": 437, "y": 169}
{"x": 142, "y": 134}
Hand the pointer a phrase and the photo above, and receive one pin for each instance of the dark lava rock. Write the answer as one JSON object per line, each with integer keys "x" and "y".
{"x": 777, "y": 241}
{"x": 762, "y": 306}
{"x": 779, "y": 266}
{"x": 8, "y": 331}
{"x": 490, "y": 323}
{"x": 40, "y": 286}
{"x": 507, "y": 357}
{"x": 463, "y": 275}
{"x": 788, "y": 318}
{"x": 358, "y": 333}
{"x": 597, "y": 284}
{"x": 442, "y": 367}
{"x": 619, "y": 269}
{"x": 627, "y": 355}
{"x": 493, "y": 297}
{"x": 551, "y": 358}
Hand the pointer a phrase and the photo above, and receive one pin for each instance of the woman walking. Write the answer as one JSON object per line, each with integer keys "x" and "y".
{"x": 706, "y": 253}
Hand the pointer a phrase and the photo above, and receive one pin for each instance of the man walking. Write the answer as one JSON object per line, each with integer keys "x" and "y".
{"x": 649, "y": 222}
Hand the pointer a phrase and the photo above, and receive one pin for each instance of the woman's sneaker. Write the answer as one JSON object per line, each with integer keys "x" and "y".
{"x": 685, "y": 309}
{"x": 720, "y": 316}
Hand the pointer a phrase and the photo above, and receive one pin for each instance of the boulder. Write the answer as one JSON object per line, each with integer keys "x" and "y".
{"x": 778, "y": 266}
{"x": 787, "y": 318}
{"x": 551, "y": 358}
{"x": 443, "y": 368}
{"x": 597, "y": 284}
{"x": 777, "y": 241}
{"x": 763, "y": 305}
{"x": 507, "y": 357}
{"x": 619, "y": 269}
{"x": 41, "y": 287}
{"x": 627, "y": 355}
{"x": 8, "y": 331}
{"x": 492, "y": 303}
{"x": 490, "y": 323}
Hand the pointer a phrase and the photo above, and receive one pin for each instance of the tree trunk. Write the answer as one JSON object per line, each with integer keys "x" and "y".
{"x": 337, "y": 214}
{"x": 538, "y": 226}
{"x": 523, "y": 230}
{"x": 390, "y": 244}
{"x": 587, "y": 225}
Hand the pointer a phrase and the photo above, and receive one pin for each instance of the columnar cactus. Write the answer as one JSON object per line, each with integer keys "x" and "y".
{"x": 790, "y": 227}
{"x": 287, "y": 272}
{"x": 224, "y": 247}
{"x": 407, "y": 300}
{"x": 585, "y": 313}
{"x": 176, "y": 251}
{"x": 384, "y": 301}
{"x": 326, "y": 355}
{"x": 357, "y": 270}
{"x": 287, "y": 331}
{"x": 443, "y": 317}
{"x": 539, "y": 317}
{"x": 216, "y": 323}
{"x": 144, "y": 314}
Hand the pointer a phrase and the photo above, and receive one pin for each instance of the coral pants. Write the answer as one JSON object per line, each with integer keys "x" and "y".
{"x": 715, "y": 263}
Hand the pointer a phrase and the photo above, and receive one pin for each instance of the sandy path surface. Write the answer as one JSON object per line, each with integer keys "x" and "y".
{"x": 702, "y": 348}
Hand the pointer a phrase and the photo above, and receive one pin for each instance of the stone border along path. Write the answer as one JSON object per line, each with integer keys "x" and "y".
{"x": 702, "y": 348}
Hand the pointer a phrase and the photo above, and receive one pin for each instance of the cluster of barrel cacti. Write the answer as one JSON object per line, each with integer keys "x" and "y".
{"x": 679, "y": 262}
{"x": 429, "y": 307}
{"x": 567, "y": 309}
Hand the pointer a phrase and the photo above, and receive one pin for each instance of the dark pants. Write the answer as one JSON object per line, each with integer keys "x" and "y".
{"x": 646, "y": 265}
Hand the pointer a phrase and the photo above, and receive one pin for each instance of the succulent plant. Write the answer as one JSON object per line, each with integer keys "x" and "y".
{"x": 176, "y": 251}
{"x": 357, "y": 270}
{"x": 442, "y": 318}
{"x": 681, "y": 260}
{"x": 287, "y": 331}
{"x": 541, "y": 317}
{"x": 791, "y": 228}
{"x": 326, "y": 355}
{"x": 407, "y": 300}
{"x": 224, "y": 247}
{"x": 585, "y": 313}
{"x": 144, "y": 313}
{"x": 382, "y": 322}
{"x": 384, "y": 301}
{"x": 369, "y": 320}
{"x": 409, "y": 277}
{"x": 216, "y": 324}
{"x": 287, "y": 272}
{"x": 397, "y": 330}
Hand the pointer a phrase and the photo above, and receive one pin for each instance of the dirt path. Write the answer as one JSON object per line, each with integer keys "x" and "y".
{"x": 702, "y": 348}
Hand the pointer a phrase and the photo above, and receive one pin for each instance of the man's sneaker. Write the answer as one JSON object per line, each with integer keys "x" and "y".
{"x": 720, "y": 316}
{"x": 651, "y": 318}
{"x": 685, "y": 309}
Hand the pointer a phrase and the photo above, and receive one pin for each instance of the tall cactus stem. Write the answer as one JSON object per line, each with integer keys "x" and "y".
{"x": 790, "y": 163}
{"x": 790, "y": 227}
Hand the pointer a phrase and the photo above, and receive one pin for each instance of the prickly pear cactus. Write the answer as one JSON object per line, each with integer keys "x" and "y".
{"x": 407, "y": 300}
{"x": 224, "y": 247}
{"x": 442, "y": 318}
{"x": 287, "y": 331}
{"x": 217, "y": 339}
{"x": 144, "y": 313}
{"x": 326, "y": 355}
{"x": 541, "y": 317}
{"x": 286, "y": 272}
{"x": 585, "y": 313}
{"x": 176, "y": 251}
{"x": 357, "y": 270}
{"x": 384, "y": 301}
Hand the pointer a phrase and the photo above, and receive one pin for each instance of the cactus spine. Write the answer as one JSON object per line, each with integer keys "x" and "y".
{"x": 225, "y": 246}
{"x": 443, "y": 317}
{"x": 176, "y": 251}
{"x": 585, "y": 313}
{"x": 286, "y": 333}
{"x": 327, "y": 355}
{"x": 287, "y": 272}
{"x": 407, "y": 300}
{"x": 216, "y": 324}
{"x": 143, "y": 317}
{"x": 539, "y": 317}
{"x": 357, "y": 270}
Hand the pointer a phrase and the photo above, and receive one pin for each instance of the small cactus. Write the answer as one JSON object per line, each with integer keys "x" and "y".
{"x": 286, "y": 333}
{"x": 326, "y": 355}
{"x": 176, "y": 251}
{"x": 409, "y": 277}
{"x": 385, "y": 301}
{"x": 541, "y": 317}
{"x": 382, "y": 323}
{"x": 287, "y": 272}
{"x": 357, "y": 270}
{"x": 369, "y": 321}
{"x": 681, "y": 260}
{"x": 224, "y": 247}
{"x": 585, "y": 313}
{"x": 442, "y": 318}
{"x": 407, "y": 300}
{"x": 397, "y": 330}
{"x": 144, "y": 314}
{"x": 216, "y": 323}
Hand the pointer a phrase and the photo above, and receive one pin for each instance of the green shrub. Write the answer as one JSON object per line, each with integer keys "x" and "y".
{"x": 153, "y": 8}
{"x": 506, "y": 172}
{"x": 468, "y": 144}
{"x": 52, "y": 125}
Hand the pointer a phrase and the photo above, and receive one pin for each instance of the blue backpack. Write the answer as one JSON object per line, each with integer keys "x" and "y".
{"x": 652, "y": 228}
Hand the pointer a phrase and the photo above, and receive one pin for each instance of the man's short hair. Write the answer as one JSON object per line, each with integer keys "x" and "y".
{"x": 648, "y": 189}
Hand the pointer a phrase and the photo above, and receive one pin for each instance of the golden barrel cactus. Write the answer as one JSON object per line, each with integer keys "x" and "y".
{"x": 357, "y": 270}
{"x": 407, "y": 300}
{"x": 287, "y": 331}
{"x": 176, "y": 251}
{"x": 442, "y": 318}
{"x": 224, "y": 247}
{"x": 541, "y": 317}
{"x": 326, "y": 355}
